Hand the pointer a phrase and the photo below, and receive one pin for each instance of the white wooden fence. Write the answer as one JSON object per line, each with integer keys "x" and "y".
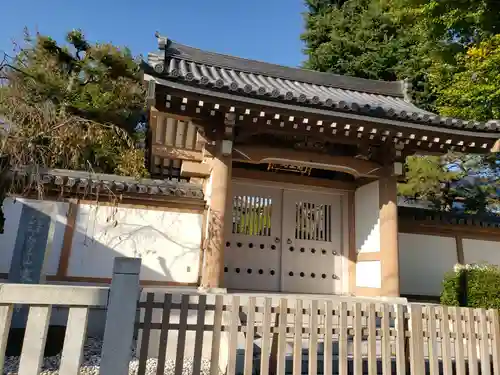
{"x": 254, "y": 335}
{"x": 120, "y": 299}
{"x": 249, "y": 335}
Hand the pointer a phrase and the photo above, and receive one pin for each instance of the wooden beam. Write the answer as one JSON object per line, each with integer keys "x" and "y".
{"x": 195, "y": 93}
{"x": 293, "y": 179}
{"x": 106, "y": 280}
{"x": 418, "y": 131}
{"x": 346, "y": 164}
{"x": 496, "y": 147}
{"x": 460, "y": 249}
{"x": 352, "y": 257}
{"x": 449, "y": 230}
{"x": 171, "y": 152}
{"x": 67, "y": 239}
{"x": 194, "y": 169}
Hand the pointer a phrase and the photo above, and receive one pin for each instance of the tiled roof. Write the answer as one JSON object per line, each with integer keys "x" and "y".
{"x": 421, "y": 214}
{"x": 98, "y": 183}
{"x": 261, "y": 80}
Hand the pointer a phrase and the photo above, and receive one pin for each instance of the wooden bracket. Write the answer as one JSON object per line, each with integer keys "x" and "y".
{"x": 496, "y": 147}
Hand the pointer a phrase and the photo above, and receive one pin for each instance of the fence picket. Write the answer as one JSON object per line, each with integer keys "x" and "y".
{"x": 313, "y": 338}
{"x": 181, "y": 338}
{"x": 372, "y": 339}
{"x": 146, "y": 333}
{"x": 281, "y": 352}
{"x": 297, "y": 338}
{"x": 328, "y": 343}
{"x": 34, "y": 340}
{"x": 446, "y": 341}
{"x": 199, "y": 332}
{"x": 76, "y": 330}
{"x": 472, "y": 342}
{"x": 416, "y": 343}
{"x": 432, "y": 341}
{"x": 358, "y": 332}
{"x": 386, "y": 340}
{"x": 266, "y": 337}
{"x": 5, "y": 321}
{"x": 485, "y": 343}
{"x": 459, "y": 342}
{"x": 400, "y": 340}
{"x": 162, "y": 347}
{"x": 249, "y": 336}
{"x": 442, "y": 325}
{"x": 495, "y": 340}
{"x": 216, "y": 336}
{"x": 233, "y": 335}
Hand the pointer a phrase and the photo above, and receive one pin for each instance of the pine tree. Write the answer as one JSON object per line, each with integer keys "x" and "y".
{"x": 75, "y": 106}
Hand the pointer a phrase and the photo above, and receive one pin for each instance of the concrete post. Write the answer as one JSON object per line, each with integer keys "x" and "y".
{"x": 120, "y": 317}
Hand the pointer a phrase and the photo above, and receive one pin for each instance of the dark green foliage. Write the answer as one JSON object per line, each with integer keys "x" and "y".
{"x": 427, "y": 179}
{"x": 73, "y": 106}
{"x": 446, "y": 49}
{"x": 475, "y": 286}
{"x": 367, "y": 39}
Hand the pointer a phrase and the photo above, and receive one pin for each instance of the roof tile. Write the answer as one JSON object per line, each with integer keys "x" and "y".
{"x": 264, "y": 80}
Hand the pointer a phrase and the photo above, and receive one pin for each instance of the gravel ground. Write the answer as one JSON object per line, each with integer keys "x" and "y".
{"x": 92, "y": 359}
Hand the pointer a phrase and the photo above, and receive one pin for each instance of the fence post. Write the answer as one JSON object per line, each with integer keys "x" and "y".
{"x": 120, "y": 317}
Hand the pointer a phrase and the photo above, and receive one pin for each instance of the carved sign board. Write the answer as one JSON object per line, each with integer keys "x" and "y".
{"x": 305, "y": 171}
{"x": 29, "y": 254}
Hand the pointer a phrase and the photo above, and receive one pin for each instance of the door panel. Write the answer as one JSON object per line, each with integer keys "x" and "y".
{"x": 312, "y": 243}
{"x": 253, "y": 233}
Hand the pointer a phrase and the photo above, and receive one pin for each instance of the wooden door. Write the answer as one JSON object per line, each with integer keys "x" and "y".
{"x": 312, "y": 243}
{"x": 253, "y": 238}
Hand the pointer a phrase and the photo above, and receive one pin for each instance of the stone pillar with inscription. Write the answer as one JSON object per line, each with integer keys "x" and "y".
{"x": 29, "y": 253}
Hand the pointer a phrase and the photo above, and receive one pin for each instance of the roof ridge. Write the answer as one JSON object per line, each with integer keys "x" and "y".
{"x": 181, "y": 51}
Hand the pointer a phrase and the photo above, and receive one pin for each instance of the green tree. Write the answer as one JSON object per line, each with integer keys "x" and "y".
{"x": 422, "y": 41}
{"x": 73, "y": 106}
{"x": 428, "y": 179}
{"x": 473, "y": 92}
{"x": 375, "y": 39}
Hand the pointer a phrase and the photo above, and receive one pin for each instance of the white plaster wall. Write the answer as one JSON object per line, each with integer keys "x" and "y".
{"x": 167, "y": 242}
{"x": 12, "y": 211}
{"x": 423, "y": 261}
{"x": 367, "y": 218}
{"x": 479, "y": 251}
{"x": 369, "y": 274}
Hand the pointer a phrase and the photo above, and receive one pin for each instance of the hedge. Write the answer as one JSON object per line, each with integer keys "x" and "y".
{"x": 472, "y": 285}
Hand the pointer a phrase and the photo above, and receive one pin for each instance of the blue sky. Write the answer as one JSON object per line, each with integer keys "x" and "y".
{"x": 265, "y": 30}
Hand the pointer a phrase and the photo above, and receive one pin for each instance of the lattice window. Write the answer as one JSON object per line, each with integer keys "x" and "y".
{"x": 252, "y": 215}
{"x": 313, "y": 221}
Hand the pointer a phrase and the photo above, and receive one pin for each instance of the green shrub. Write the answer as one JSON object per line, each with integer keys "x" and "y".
{"x": 476, "y": 285}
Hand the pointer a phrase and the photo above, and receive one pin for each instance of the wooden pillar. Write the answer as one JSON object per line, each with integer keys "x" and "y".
{"x": 220, "y": 178}
{"x": 389, "y": 234}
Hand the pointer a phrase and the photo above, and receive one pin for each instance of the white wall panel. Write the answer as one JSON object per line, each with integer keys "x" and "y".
{"x": 367, "y": 218}
{"x": 168, "y": 242}
{"x": 423, "y": 261}
{"x": 369, "y": 274}
{"x": 480, "y": 251}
